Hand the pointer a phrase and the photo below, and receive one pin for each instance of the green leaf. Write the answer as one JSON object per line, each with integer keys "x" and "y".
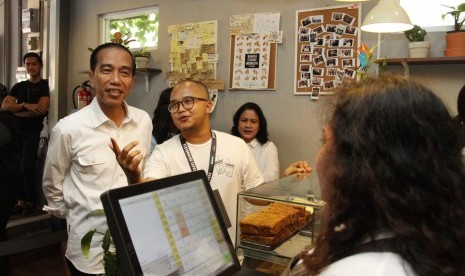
{"x": 98, "y": 212}
{"x": 85, "y": 242}
{"x": 106, "y": 241}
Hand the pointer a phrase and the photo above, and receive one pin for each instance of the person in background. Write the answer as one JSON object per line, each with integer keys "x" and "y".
{"x": 29, "y": 101}
{"x": 392, "y": 174}
{"x": 163, "y": 126}
{"x": 461, "y": 106}
{"x": 80, "y": 164}
{"x": 249, "y": 123}
{"x": 461, "y": 114}
{"x": 10, "y": 176}
{"x": 226, "y": 159}
{"x": 3, "y": 93}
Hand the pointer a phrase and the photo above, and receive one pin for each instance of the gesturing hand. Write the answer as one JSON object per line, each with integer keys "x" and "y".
{"x": 298, "y": 168}
{"x": 129, "y": 160}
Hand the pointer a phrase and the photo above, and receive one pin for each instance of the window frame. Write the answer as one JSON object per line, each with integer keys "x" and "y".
{"x": 105, "y": 25}
{"x": 414, "y": 4}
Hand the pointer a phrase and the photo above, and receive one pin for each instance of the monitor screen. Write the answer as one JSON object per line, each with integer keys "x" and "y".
{"x": 171, "y": 226}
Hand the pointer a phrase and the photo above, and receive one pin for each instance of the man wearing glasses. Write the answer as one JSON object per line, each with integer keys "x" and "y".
{"x": 227, "y": 160}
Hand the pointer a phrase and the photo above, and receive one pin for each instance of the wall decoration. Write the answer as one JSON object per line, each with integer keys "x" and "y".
{"x": 253, "y": 50}
{"x": 326, "y": 49}
{"x": 193, "y": 53}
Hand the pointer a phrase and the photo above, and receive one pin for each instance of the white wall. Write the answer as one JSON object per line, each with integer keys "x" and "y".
{"x": 294, "y": 121}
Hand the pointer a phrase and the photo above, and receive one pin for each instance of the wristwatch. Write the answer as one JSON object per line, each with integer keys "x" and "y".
{"x": 22, "y": 106}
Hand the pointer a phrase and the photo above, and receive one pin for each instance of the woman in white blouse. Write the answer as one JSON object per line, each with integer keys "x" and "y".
{"x": 250, "y": 125}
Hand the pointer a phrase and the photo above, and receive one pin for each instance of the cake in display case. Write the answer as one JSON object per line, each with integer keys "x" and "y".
{"x": 277, "y": 220}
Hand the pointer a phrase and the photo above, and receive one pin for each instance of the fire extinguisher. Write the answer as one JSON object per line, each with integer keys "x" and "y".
{"x": 83, "y": 93}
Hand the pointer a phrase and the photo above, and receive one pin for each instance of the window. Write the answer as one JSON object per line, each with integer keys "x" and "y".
{"x": 427, "y": 13}
{"x": 138, "y": 24}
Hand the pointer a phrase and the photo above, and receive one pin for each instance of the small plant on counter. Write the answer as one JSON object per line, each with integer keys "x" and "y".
{"x": 416, "y": 34}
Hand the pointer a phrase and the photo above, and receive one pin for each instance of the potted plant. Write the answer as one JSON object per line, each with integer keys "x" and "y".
{"x": 142, "y": 57}
{"x": 418, "y": 47}
{"x": 455, "y": 39}
{"x": 110, "y": 260}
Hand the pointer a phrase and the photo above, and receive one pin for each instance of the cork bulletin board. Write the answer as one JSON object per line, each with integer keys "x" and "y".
{"x": 327, "y": 40}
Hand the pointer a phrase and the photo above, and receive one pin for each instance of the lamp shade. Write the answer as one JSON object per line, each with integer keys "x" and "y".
{"x": 387, "y": 17}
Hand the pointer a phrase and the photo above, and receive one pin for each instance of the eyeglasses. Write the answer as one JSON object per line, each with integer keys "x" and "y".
{"x": 187, "y": 103}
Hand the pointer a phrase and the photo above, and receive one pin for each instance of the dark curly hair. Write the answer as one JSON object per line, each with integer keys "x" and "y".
{"x": 163, "y": 126}
{"x": 396, "y": 167}
{"x": 262, "y": 134}
{"x": 461, "y": 105}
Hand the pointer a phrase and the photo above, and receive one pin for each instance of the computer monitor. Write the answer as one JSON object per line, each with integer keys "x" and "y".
{"x": 170, "y": 226}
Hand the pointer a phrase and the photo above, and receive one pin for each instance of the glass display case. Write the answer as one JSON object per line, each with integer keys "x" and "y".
{"x": 264, "y": 235}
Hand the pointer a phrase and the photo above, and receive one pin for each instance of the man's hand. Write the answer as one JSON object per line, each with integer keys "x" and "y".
{"x": 299, "y": 168}
{"x": 36, "y": 108}
{"x": 129, "y": 160}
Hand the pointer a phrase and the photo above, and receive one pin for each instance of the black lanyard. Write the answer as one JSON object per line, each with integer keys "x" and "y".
{"x": 190, "y": 159}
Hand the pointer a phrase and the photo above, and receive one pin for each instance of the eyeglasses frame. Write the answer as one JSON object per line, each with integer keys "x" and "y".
{"x": 181, "y": 102}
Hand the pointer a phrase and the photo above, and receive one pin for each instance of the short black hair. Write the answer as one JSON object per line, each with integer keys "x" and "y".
{"x": 36, "y": 55}
{"x": 93, "y": 56}
{"x": 262, "y": 134}
{"x": 195, "y": 82}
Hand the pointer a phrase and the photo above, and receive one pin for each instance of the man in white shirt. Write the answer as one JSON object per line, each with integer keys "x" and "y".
{"x": 227, "y": 160}
{"x": 80, "y": 164}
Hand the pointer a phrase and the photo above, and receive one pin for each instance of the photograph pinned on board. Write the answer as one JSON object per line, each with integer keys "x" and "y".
{"x": 315, "y": 93}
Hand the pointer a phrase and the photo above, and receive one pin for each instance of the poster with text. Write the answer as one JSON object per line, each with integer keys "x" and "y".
{"x": 251, "y": 61}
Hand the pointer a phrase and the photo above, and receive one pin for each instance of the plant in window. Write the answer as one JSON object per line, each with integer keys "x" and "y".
{"x": 141, "y": 53}
{"x": 124, "y": 40}
{"x": 119, "y": 38}
{"x": 456, "y": 13}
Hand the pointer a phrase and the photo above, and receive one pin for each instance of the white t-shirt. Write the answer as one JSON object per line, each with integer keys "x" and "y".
{"x": 80, "y": 166}
{"x": 235, "y": 168}
{"x": 266, "y": 156}
{"x": 370, "y": 264}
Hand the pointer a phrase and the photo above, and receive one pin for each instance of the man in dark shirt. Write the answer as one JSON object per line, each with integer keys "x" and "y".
{"x": 29, "y": 101}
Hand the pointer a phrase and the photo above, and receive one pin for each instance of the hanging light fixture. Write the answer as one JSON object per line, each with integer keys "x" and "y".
{"x": 387, "y": 17}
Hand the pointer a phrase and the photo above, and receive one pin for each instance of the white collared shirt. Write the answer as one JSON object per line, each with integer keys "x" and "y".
{"x": 266, "y": 156}
{"x": 80, "y": 166}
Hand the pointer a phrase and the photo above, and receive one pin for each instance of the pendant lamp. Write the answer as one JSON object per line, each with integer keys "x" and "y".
{"x": 387, "y": 17}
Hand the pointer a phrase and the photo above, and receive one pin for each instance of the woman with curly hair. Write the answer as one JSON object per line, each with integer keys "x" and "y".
{"x": 250, "y": 125}
{"x": 391, "y": 171}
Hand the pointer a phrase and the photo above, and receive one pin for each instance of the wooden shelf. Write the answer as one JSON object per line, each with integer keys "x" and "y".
{"x": 424, "y": 61}
{"x": 148, "y": 70}
{"x": 406, "y": 62}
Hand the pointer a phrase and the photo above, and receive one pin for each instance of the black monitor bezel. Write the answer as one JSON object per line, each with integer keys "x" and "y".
{"x": 119, "y": 230}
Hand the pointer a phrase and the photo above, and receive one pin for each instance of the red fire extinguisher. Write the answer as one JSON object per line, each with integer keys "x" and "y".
{"x": 83, "y": 93}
